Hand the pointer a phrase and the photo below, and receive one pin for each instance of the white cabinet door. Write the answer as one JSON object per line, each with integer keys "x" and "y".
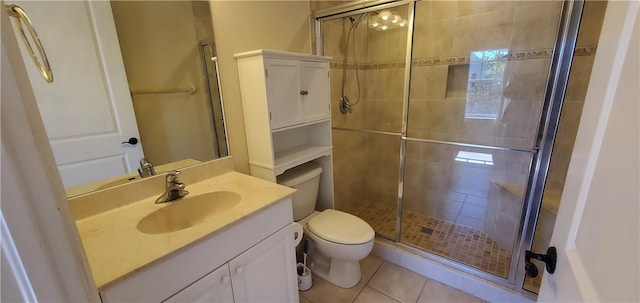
{"x": 315, "y": 82}
{"x": 283, "y": 84}
{"x": 87, "y": 110}
{"x": 266, "y": 272}
{"x": 212, "y": 288}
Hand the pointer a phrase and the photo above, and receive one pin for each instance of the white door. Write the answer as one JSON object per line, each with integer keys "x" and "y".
{"x": 267, "y": 271}
{"x": 212, "y": 288}
{"x": 87, "y": 110}
{"x": 597, "y": 232}
{"x": 315, "y": 82}
{"x": 283, "y": 92}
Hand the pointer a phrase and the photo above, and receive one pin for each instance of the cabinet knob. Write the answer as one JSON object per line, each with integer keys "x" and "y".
{"x": 225, "y": 279}
{"x": 304, "y": 92}
{"x": 239, "y": 270}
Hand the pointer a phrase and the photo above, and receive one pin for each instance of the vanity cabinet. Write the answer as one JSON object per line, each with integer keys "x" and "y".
{"x": 261, "y": 274}
{"x": 287, "y": 114}
{"x": 214, "y": 288}
{"x": 252, "y": 261}
{"x": 265, "y": 272}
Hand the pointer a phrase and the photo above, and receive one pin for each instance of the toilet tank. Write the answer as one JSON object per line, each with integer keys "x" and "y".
{"x": 305, "y": 179}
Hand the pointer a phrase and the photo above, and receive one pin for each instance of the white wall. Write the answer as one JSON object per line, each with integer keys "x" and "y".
{"x": 247, "y": 25}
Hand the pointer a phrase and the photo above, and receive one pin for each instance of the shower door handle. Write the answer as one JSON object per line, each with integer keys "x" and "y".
{"x": 550, "y": 260}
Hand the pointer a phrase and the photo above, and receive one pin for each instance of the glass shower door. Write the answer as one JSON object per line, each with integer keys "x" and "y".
{"x": 367, "y": 83}
{"x": 478, "y": 77}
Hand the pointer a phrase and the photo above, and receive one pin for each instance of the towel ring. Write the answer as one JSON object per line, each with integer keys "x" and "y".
{"x": 21, "y": 17}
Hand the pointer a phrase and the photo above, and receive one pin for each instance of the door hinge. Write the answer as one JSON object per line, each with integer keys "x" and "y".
{"x": 266, "y": 73}
{"x": 270, "y": 116}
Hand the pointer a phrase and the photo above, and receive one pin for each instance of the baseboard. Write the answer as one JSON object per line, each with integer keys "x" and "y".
{"x": 478, "y": 287}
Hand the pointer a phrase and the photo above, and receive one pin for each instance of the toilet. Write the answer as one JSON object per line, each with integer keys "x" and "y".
{"x": 338, "y": 240}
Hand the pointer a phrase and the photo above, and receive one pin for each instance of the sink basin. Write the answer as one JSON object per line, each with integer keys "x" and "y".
{"x": 188, "y": 212}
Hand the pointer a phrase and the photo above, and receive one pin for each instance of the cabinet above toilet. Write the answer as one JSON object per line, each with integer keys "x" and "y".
{"x": 294, "y": 88}
{"x": 287, "y": 114}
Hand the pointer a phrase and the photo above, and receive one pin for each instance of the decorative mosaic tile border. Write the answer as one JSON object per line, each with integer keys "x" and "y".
{"x": 459, "y": 60}
{"x": 585, "y": 50}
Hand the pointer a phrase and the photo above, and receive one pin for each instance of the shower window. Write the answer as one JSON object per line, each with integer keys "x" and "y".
{"x": 485, "y": 84}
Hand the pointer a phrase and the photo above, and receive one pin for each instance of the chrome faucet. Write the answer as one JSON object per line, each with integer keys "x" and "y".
{"x": 174, "y": 190}
{"x": 146, "y": 168}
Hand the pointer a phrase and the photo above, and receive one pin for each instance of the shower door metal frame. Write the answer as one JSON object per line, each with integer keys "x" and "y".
{"x": 557, "y": 81}
{"x": 556, "y": 84}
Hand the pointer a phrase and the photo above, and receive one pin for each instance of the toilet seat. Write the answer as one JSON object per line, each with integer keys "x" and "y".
{"x": 340, "y": 227}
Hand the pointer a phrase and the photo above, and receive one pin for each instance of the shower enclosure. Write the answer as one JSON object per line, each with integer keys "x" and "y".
{"x": 444, "y": 118}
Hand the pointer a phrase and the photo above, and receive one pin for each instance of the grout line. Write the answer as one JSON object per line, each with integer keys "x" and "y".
{"x": 356, "y": 297}
{"x": 423, "y": 287}
{"x": 375, "y": 271}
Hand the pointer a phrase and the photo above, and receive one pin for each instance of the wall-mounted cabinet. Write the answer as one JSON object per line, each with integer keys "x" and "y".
{"x": 287, "y": 114}
{"x": 296, "y": 91}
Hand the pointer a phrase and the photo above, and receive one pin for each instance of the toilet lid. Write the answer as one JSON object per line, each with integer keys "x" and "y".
{"x": 340, "y": 227}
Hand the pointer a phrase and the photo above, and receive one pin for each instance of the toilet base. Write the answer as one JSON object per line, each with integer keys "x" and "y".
{"x": 344, "y": 274}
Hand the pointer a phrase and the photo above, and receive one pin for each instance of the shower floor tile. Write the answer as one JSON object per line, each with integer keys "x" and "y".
{"x": 459, "y": 243}
{"x": 533, "y": 284}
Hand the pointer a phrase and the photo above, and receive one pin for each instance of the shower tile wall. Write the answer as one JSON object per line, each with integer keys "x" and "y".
{"x": 366, "y": 165}
{"x": 446, "y": 33}
{"x": 447, "y": 38}
{"x": 467, "y": 194}
{"x": 323, "y": 4}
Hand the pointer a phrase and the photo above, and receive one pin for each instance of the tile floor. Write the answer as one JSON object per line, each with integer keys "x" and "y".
{"x": 456, "y": 242}
{"x": 384, "y": 282}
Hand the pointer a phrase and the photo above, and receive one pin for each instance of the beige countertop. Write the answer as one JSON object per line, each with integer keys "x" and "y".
{"x": 115, "y": 248}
